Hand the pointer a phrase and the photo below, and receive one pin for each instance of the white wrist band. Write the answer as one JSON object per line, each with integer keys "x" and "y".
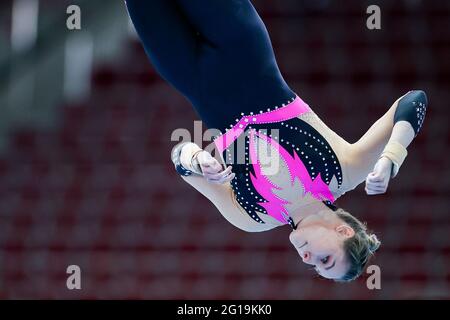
{"x": 397, "y": 153}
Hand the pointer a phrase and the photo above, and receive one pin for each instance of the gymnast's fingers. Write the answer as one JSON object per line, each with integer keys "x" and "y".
{"x": 374, "y": 177}
{"x": 220, "y": 175}
{"x": 211, "y": 166}
{"x": 211, "y": 170}
{"x": 376, "y": 185}
{"x": 229, "y": 178}
{"x": 370, "y": 190}
{"x": 222, "y": 180}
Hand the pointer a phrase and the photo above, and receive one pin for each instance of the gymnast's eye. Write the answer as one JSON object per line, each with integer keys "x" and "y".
{"x": 325, "y": 260}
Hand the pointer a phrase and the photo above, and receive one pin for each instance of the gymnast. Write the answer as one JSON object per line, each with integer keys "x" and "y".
{"x": 276, "y": 162}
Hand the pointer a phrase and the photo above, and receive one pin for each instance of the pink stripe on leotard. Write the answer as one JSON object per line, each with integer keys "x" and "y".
{"x": 274, "y": 205}
{"x": 291, "y": 110}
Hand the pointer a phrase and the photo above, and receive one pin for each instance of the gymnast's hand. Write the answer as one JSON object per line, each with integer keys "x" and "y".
{"x": 377, "y": 181}
{"x": 212, "y": 170}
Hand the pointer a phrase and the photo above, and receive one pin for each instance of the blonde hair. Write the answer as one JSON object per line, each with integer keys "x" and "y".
{"x": 359, "y": 248}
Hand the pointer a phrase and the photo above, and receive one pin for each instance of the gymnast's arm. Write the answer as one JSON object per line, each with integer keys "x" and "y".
{"x": 185, "y": 157}
{"x": 384, "y": 144}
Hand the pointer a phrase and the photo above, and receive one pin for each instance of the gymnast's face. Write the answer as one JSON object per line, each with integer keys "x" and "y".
{"x": 319, "y": 241}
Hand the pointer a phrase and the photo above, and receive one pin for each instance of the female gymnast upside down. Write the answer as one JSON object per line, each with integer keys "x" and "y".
{"x": 218, "y": 54}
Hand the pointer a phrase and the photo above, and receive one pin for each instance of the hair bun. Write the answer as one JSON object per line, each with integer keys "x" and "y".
{"x": 374, "y": 243}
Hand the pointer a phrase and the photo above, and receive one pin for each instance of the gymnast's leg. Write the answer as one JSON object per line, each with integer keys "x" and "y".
{"x": 169, "y": 40}
{"x": 223, "y": 21}
{"x": 239, "y": 45}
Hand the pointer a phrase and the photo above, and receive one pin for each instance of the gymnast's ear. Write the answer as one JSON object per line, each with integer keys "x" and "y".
{"x": 345, "y": 230}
